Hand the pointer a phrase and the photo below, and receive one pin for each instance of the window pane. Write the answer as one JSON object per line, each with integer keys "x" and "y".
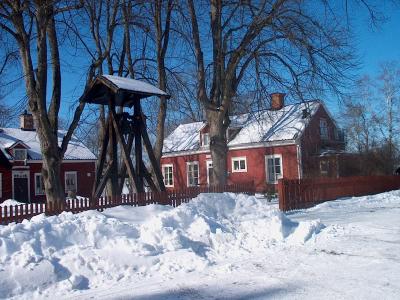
{"x": 39, "y": 184}
{"x": 242, "y": 165}
{"x": 168, "y": 179}
{"x": 193, "y": 174}
{"x": 235, "y": 165}
{"x": 271, "y": 173}
{"x": 19, "y": 154}
{"x": 206, "y": 139}
{"x": 70, "y": 182}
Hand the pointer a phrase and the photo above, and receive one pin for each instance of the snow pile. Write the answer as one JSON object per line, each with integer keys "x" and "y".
{"x": 91, "y": 249}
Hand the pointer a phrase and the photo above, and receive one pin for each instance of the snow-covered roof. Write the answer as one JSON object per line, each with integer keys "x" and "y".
{"x": 185, "y": 137}
{"x": 134, "y": 85}
{"x": 264, "y": 126}
{"x": 10, "y": 136}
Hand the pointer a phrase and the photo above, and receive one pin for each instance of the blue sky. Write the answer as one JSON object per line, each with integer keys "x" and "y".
{"x": 374, "y": 45}
{"x": 378, "y": 44}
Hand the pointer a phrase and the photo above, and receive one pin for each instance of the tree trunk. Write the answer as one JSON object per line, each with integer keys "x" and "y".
{"x": 162, "y": 40}
{"x": 51, "y": 171}
{"x": 51, "y": 164}
{"x": 218, "y": 147}
{"x": 162, "y": 113}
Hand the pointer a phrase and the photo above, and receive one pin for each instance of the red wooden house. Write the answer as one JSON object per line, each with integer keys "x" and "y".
{"x": 21, "y": 164}
{"x": 293, "y": 141}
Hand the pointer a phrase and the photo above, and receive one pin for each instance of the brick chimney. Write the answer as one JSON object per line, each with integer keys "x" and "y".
{"x": 26, "y": 121}
{"x": 277, "y": 101}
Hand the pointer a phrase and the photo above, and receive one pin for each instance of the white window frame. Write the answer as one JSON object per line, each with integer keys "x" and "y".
{"x": 192, "y": 163}
{"x": 323, "y": 129}
{"x": 239, "y": 159}
{"x": 203, "y": 139}
{"x": 76, "y": 180}
{"x": 273, "y": 156}
{"x": 1, "y": 185}
{"x": 36, "y": 192}
{"x": 172, "y": 174}
{"x": 20, "y": 149}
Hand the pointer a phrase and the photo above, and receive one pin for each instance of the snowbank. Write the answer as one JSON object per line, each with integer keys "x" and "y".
{"x": 76, "y": 252}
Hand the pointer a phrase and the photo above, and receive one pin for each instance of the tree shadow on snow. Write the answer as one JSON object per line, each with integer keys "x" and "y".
{"x": 203, "y": 293}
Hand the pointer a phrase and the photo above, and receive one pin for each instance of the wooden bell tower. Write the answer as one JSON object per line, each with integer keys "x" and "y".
{"x": 125, "y": 130}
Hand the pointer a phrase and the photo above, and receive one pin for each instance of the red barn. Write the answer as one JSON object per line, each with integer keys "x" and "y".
{"x": 21, "y": 164}
{"x": 293, "y": 141}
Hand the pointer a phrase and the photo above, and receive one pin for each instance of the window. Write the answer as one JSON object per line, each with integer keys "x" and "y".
{"x": 70, "y": 182}
{"x": 39, "y": 184}
{"x": 193, "y": 173}
{"x": 273, "y": 168}
{"x": 323, "y": 128}
{"x": 336, "y": 132}
{"x": 1, "y": 185}
{"x": 206, "y": 139}
{"x": 324, "y": 166}
{"x": 19, "y": 154}
{"x": 239, "y": 164}
{"x": 167, "y": 171}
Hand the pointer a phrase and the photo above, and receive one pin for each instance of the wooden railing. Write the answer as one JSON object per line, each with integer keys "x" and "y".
{"x": 18, "y": 213}
{"x": 303, "y": 193}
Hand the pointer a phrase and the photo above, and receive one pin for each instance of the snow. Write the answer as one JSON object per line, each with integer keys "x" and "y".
{"x": 269, "y": 126}
{"x": 265, "y": 126}
{"x": 135, "y": 85}
{"x": 185, "y": 137}
{"x": 217, "y": 246}
{"x": 9, "y": 136}
{"x": 9, "y": 202}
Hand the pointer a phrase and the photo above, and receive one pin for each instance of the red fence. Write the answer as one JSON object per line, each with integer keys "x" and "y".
{"x": 303, "y": 193}
{"x": 17, "y": 213}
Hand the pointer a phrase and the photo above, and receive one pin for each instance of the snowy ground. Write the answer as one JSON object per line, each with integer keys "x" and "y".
{"x": 216, "y": 247}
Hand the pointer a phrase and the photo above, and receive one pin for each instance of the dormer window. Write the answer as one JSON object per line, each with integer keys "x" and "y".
{"x": 206, "y": 139}
{"x": 20, "y": 154}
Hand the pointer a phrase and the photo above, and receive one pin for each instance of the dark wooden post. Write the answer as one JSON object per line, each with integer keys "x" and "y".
{"x": 138, "y": 127}
{"x": 113, "y": 153}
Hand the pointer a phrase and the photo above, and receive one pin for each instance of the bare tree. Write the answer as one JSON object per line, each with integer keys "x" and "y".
{"x": 282, "y": 44}
{"x": 32, "y": 25}
{"x": 371, "y": 120}
{"x": 162, "y": 40}
{"x": 389, "y": 90}
{"x": 361, "y": 121}
{"x": 5, "y": 114}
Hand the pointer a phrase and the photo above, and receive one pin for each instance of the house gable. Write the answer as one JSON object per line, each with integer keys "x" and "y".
{"x": 314, "y": 145}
